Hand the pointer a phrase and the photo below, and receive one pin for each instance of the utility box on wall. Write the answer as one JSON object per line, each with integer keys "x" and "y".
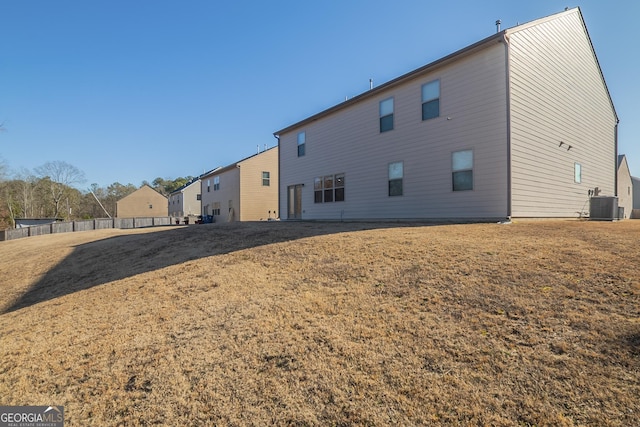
{"x": 603, "y": 208}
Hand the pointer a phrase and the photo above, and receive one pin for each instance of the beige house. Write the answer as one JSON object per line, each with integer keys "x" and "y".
{"x": 519, "y": 124}
{"x": 185, "y": 201}
{"x": 144, "y": 202}
{"x": 625, "y": 187}
{"x": 243, "y": 191}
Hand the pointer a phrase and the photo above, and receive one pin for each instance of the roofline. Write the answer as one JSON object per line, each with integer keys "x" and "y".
{"x": 397, "y": 81}
{"x": 499, "y": 36}
{"x": 227, "y": 168}
{"x": 586, "y": 31}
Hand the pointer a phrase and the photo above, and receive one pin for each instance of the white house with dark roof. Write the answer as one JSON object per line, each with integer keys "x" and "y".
{"x": 519, "y": 124}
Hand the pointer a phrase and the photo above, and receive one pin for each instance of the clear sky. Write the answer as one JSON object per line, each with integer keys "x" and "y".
{"x": 132, "y": 90}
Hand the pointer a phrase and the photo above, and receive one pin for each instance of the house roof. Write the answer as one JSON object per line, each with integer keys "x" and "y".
{"x": 220, "y": 170}
{"x": 179, "y": 190}
{"x": 140, "y": 189}
{"x": 495, "y": 38}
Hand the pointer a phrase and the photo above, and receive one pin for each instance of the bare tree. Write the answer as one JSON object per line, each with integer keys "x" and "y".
{"x": 61, "y": 177}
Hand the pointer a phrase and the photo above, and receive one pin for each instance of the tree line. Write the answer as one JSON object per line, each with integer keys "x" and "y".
{"x": 52, "y": 191}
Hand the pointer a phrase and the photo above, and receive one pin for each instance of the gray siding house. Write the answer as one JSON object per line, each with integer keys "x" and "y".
{"x": 185, "y": 201}
{"x": 520, "y": 124}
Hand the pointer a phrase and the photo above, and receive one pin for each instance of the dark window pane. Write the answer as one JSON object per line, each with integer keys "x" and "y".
{"x": 339, "y": 194}
{"x": 395, "y": 187}
{"x": 317, "y": 196}
{"x": 340, "y": 180}
{"x": 386, "y": 123}
{"x": 462, "y": 180}
{"x": 300, "y": 150}
{"x": 328, "y": 196}
{"x": 431, "y": 109}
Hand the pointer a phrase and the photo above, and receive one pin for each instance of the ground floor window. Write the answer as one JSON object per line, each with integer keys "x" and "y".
{"x": 396, "y": 175}
{"x": 462, "y": 170}
{"x": 328, "y": 188}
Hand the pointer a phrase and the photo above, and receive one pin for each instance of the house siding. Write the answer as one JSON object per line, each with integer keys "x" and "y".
{"x": 558, "y": 95}
{"x": 144, "y": 202}
{"x": 473, "y": 97}
{"x": 256, "y": 200}
{"x": 228, "y": 195}
{"x": 625, "y": 188}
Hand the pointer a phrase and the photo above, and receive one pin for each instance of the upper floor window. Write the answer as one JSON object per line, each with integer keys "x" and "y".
{"x": 266, "y": 178}
{"x": 462, "y": 169}
{"x": 198, "y": 196}
{"x": 216, "y": 183}
{"x": 431, "y": 100}
{"x": 396, "y": 175}
{"x": 302, "y": 140}
{"x": 208, "y": 185}
{"x": 577, "y": 173}
{"x": 386, "y": 115}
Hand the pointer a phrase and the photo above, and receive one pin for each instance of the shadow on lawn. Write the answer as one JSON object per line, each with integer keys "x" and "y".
{"x": 116, "y": 258}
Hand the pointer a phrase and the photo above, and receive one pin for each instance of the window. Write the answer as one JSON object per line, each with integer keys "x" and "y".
{"x": 431, "y": 100}
{"x": 302, "y": 140}
{"x": 328, "y": 188}
{"x": 198, "y": 196}
{"x": 396, "y": 174}
{"x": 339, "y": 187}
{"x": 216, "y": 208}
{"x": 208, "y": 186}
{"x": 150, "y": 206}
{"x": 462, "y": 167}
{"x": 216, "y": 183}
{"x": 577, "y": 173}
{"x": 266, "y": 178}
{"x": 386, "y": 115}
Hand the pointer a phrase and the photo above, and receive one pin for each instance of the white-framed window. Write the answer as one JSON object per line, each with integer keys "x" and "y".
{"x": 577, "y": 173}
{"x": 386, "y": 115}
{"x": 266, "y": 179}
{"x": 302, "y": 141}
{"x": 216, "y": 183}
{"x": 431, "y": 100}
{"x": 462, "y": 170}
{"x": 208, "y": 186}
{"x": 396, "y": 175}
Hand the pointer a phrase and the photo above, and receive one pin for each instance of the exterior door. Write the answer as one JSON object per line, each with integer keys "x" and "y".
{"x": 294, "y": 201}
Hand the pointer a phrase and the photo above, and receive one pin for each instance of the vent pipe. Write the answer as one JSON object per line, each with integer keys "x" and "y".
{"x": 498, "y": 22}
{"x": 370, "y": 84}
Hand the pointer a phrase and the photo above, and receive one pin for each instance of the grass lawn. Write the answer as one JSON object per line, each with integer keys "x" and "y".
{"x": 274, "y": 323}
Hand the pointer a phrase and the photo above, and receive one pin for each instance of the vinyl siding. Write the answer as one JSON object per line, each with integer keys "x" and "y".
{"x": 257, "y": 200}
{"x": 558, "y": 95}
{"x": 472, "y": 94}
{"x": 137, "y": 204}
{"x": 229, "y": 190}
{"x": 625, "y": 188}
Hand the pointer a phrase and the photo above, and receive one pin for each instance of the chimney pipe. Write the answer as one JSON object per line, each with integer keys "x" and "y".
{"x": 498, "y": 22}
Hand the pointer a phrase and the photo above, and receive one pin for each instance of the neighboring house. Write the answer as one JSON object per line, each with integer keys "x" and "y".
{"x": 185, "y": 201}
{"x": 144, "y": 202}
{"x": 243, "y": 191}
{"x": 625, "y": 187}
{"x": 635, "y": 191}
{"x": 519, "y": 124}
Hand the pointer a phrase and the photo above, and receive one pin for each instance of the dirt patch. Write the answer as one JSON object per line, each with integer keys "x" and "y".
{"x": 533, "y": 323}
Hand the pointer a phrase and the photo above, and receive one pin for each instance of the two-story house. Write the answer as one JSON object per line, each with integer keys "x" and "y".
{"x": 519, "y": 124}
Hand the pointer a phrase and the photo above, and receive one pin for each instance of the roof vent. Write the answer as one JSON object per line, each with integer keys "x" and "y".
{"x": 498, "y": 22}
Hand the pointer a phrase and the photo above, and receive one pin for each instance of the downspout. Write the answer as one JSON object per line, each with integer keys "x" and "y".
{"x": 505, "y": 40}
{"x": 279, "y": 175}
{"x": 615, "y": 157}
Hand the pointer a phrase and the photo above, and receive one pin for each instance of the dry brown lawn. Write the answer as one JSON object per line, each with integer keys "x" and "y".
{"x": 274, "y": 323}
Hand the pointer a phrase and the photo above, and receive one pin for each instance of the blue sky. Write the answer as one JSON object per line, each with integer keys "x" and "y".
{"x": 134, "y": 90}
